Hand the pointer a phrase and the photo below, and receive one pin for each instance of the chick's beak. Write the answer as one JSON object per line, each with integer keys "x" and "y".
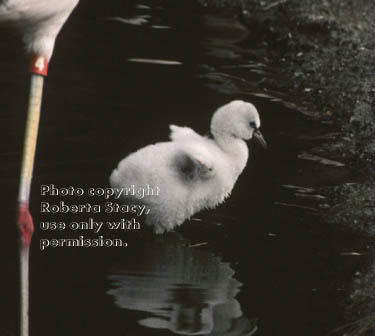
{"x": 259, "y": 137}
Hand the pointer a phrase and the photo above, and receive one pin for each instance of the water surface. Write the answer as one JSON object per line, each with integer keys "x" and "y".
{"x": 264, "y": 263}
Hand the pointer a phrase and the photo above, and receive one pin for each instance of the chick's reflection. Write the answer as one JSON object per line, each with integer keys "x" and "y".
{"x": 188, "y": 291}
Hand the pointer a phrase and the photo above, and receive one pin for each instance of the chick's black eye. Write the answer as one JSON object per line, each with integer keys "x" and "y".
{"x": 253, "y": 125}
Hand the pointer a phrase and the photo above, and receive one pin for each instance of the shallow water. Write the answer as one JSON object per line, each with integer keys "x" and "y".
{"x": 264, "y": 263}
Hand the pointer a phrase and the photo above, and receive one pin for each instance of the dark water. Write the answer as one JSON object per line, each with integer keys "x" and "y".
{"x": 264, "y": 263}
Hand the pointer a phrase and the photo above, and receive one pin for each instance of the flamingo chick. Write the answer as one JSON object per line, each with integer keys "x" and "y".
{"x": 192, "y": 172}
{"x": 38, "y": 22}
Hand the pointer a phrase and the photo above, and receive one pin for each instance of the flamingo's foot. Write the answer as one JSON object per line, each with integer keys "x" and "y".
{"x": 25, "y": 224}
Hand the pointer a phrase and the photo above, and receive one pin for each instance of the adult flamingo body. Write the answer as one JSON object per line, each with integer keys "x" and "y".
{"x": 38, "y": 22}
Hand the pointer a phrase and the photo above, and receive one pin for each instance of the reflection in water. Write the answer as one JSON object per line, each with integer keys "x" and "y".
{"x": 154, "y": 61}
{"x": 188, "y": 291}
{"x": 222, "y": 34}
{"x": 221, "y": 43}
{"x": 238, "y": 70}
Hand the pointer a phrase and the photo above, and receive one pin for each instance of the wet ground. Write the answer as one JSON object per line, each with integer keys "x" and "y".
{"x": 264, "y": 263}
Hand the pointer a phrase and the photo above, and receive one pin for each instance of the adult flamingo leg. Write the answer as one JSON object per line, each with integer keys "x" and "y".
{"x": 25, "y": 221}
{"x": 38, "y": 22}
